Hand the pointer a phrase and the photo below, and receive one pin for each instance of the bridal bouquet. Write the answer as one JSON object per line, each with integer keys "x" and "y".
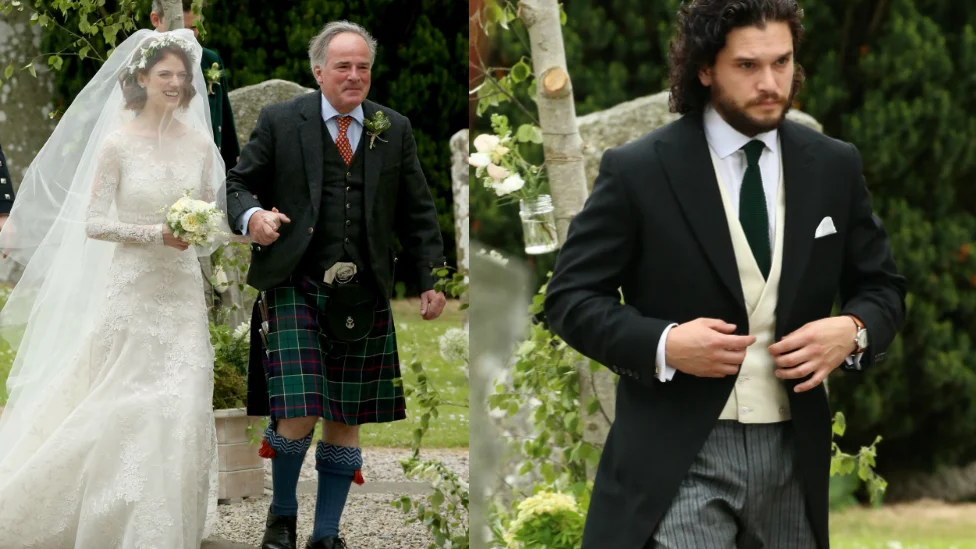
{"x": 194, "y": 221}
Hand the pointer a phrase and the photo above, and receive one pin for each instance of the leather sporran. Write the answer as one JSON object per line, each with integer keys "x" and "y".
{"x": 350, "y": 311}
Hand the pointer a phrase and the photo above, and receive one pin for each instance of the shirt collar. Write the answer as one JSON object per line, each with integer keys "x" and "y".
{"x": 725, "y": 140}
{"x": 328, "y": 111}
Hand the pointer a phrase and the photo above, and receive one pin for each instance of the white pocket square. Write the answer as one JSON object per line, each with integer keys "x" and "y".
{"x": 825, "y": 228}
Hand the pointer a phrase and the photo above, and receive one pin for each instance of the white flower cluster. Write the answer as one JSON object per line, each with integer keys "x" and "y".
{"x": 165, "y": 40}
{"x": 194, "y": 221}
{"x": 491, "y": 151}
{"x": 543, "y": 503}
{"x": 495, "y": 255}
{"x": 243, "y": 330}
{"x": 454, "y": 346}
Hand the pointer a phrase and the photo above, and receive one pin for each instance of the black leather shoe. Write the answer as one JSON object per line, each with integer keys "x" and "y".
{"x": 280, "y": 532}
{"x": 331, "y": 542}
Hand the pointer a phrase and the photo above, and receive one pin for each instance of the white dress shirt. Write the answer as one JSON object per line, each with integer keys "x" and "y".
{"x": 726, "y": 142}
{"x": 329, "y": 113}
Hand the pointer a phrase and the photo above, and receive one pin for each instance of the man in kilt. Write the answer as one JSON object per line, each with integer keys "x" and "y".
{"x": 322, "y": 186}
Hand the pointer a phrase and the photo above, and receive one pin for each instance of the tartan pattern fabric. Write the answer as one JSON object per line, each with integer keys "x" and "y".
{"x": 342, "y": 139}
{"x": 312, "y": 374}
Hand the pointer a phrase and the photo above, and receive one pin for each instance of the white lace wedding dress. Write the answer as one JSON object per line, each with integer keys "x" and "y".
{"x": 145, "y": 476}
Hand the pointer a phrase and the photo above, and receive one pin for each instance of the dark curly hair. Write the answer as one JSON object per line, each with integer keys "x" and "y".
{"x": 703, "y": 26}
{"x": 135, "y": 95}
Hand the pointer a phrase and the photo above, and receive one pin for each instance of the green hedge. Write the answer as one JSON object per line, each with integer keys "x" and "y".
{"x": 896, "y": 78}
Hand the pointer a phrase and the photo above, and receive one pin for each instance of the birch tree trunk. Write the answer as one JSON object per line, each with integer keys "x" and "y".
{"x": 563, "y": 148}
{"x": 173, "y": 14}
{"x": 459, "y": 183}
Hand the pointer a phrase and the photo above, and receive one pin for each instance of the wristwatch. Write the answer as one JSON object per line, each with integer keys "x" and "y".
{"x": 861, "y": 339}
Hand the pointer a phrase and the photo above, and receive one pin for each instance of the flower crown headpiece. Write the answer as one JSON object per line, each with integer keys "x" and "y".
{"x": 156, "y": 45}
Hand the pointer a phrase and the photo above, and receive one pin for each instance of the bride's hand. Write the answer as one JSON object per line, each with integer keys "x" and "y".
{"x": 172, "y": 241}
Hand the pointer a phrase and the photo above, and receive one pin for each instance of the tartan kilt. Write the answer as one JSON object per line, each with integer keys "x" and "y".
{"x": 309, "y": 373}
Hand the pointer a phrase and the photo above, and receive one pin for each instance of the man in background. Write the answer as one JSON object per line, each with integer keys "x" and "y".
{"x": 221, "y": 115}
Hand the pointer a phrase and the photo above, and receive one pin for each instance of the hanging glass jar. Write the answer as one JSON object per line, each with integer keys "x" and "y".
{"x": 538, "y": 225}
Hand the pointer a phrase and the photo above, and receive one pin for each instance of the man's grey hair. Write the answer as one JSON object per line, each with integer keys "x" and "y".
{"x": 319, "y": 46}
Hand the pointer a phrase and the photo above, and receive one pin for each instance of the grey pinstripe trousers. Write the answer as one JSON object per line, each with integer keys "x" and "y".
{"x": 740, "y": 493}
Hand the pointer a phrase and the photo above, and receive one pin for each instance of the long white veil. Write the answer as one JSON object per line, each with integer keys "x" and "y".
{"x": 53, "y": 307}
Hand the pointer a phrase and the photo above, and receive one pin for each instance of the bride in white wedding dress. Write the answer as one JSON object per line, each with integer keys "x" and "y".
{"x": 108, "y": 440}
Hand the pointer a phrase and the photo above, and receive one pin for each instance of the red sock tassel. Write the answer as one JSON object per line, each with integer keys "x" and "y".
{"x": 266, "y": 451}
{"x": 357, "y": 477}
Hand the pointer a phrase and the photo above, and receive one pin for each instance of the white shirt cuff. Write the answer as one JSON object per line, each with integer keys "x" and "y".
{"x": 245, "y": 217}
{"x": 664, "y": 372}
{"x": 855, "y": 361}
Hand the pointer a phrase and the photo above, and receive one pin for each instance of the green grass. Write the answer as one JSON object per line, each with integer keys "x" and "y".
{"x": 417, "y": 339}
{"x": 913, "y": 526}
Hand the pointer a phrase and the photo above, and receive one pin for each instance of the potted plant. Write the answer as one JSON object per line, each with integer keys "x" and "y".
{"x": 240, "y": 468}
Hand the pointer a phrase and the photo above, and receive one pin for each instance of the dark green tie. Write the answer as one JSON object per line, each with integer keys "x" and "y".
{"x": 752, "y": 208}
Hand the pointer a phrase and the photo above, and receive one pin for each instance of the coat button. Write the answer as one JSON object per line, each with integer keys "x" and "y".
{"x": 348, "y": 205}
{"x": 348, "y": 189}
{"x": 311, "y": 230}
{"x": 346, "y": 240}
{"x": 254, "y": 196}
{"x": 259, "y": 248}
{"x": 3, "y": 180}
{"x": 348, "y": 175}
{"x": 236, "y": 195}
{"x": 348, "y": 222}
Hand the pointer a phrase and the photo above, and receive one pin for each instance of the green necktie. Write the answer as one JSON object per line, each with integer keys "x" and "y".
{"x": 752, "y": 208}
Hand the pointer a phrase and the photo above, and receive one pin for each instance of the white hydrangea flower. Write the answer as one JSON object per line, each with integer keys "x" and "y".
{"x": 243, "y": 330}
{"x": 454, "y": 346}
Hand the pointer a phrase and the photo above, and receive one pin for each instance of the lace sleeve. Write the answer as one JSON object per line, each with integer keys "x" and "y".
{"x": 107, "y": 174}
{"x": 206, "y": 187}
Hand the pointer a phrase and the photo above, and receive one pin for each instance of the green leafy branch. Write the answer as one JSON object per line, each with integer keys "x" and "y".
{"x": 93, "y": 21}
{"x": 444, "y": 512}
{"x": 544, "y": 375}
{"x": 842, "y": 464}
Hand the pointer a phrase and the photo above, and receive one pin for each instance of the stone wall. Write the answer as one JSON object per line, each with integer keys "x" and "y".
{"x": 630, "y": 120}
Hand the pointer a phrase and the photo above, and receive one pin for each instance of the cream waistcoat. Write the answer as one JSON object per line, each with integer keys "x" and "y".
{"x": 758, "y": 396}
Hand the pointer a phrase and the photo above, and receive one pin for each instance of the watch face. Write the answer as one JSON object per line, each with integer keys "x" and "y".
{"x": 862, "y": 338}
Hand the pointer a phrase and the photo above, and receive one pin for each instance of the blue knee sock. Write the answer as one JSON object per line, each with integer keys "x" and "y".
{"x": 337, "y": 465}
{"x": 286, "y": 465}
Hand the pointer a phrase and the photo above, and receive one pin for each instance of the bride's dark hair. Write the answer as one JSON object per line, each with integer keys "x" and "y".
{"x": 135, "y": 95}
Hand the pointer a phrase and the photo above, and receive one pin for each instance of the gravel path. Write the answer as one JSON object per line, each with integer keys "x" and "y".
{"x": 382, "y": 464}
{"x": 368, "y": 522}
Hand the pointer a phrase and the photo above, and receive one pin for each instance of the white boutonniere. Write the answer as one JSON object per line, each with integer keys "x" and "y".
{"x": 375, "y": 126}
